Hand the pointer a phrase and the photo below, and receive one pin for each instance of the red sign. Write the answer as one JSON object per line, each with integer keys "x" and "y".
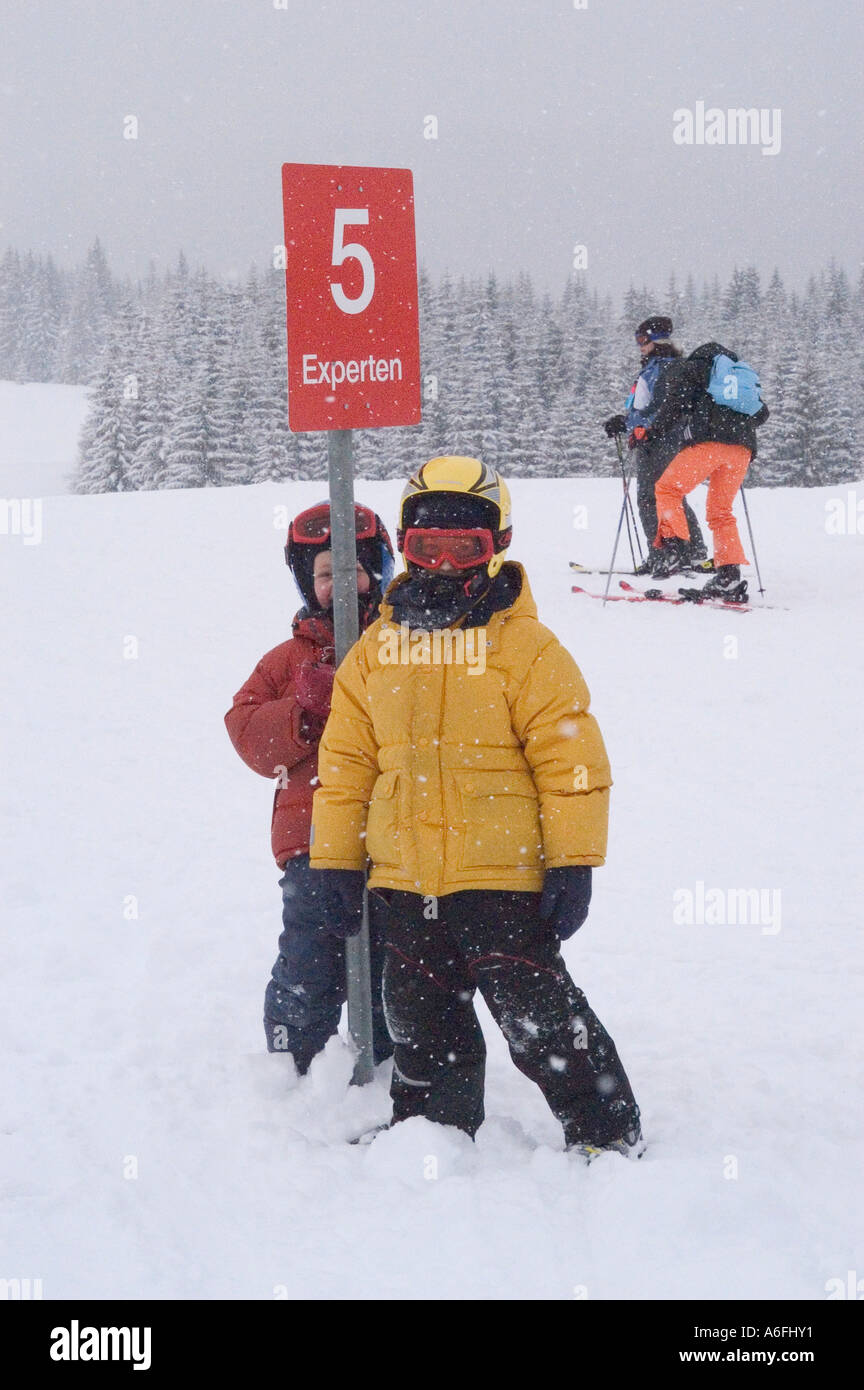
{"x": 351, "y": 274}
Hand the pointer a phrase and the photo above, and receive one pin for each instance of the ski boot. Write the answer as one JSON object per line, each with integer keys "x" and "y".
{"x": 726, "y": 583}
{"x": 644, "y": 567}
{"x": 701, "y": 565}
{"x": 630, "y": 1145}
{"x": 671, "y": 558}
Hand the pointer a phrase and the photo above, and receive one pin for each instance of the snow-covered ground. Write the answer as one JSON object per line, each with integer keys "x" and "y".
{"x": 39, "y": 427}
{"x": 151, "y": 1147}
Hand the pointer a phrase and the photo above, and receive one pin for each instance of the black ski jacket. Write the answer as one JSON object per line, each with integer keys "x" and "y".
{"x": 686, "y": 411}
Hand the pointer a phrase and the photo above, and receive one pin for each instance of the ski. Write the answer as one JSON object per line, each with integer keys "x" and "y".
{"x": 611, "y": 598}
{"x": 695, "y": 596}
{"x": 683, "y": 596}
{"x": 707, "y": 568}
{"x": 584, "y": 569}
{"x": 636, "y": 596}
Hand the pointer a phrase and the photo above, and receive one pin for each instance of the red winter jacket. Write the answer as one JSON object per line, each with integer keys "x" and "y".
{"x": 279, "y": 739}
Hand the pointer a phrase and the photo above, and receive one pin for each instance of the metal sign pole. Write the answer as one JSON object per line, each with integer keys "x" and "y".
{"x": 346, "y": 626}
{"x": 342, "y": 219}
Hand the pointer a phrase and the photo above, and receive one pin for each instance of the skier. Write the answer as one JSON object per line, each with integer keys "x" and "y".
{"x": 275, "y": 724}
{"x": 718, "y": 444}
{"x": 654, "y": 448}
{"x": 478, "y": 784}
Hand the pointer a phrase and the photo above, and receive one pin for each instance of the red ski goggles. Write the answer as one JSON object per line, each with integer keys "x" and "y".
{"x": 313, "y": 526}
{"x": 430, "y": 548}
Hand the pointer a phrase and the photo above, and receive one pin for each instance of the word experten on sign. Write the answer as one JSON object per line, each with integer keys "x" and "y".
{"x": 318, "y": 373}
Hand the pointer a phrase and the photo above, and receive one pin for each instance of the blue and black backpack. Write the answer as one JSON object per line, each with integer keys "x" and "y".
{"x": 735, "y": 385}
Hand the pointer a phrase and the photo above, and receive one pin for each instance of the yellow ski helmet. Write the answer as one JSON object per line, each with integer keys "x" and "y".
{"x": 454, "y": 491}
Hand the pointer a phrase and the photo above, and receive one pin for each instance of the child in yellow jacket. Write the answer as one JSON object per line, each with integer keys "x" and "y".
{"x": 461, "y": 758}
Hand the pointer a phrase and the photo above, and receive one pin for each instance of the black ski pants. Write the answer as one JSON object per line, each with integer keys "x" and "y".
{"x": 304, "y": 996}
{"x": 495, "y": 942}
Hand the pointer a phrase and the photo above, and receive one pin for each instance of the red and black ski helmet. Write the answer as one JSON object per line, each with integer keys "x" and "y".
{"x": 309, "y": 535}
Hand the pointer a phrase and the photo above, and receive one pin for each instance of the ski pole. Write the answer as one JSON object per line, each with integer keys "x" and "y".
{"x": 627, "y": 481}
{"x": 635, "y": 529}
{"x": 631, "y": 515}
{"x": 626, "y": 508}
{"x": 752, "y": 542}
{"x": 614, "y": 552}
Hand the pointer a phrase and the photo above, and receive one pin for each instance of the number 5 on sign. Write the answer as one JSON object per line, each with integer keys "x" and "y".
{"x": 351, "y": 294}
{"x": 346, "y": 217}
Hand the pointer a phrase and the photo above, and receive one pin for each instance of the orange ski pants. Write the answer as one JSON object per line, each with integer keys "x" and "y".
{"x": 724, "y": 465}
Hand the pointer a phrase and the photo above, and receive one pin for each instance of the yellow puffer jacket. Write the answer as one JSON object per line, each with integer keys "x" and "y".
{"x": 450, "y": 777}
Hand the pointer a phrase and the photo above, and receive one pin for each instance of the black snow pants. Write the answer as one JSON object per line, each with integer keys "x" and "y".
{"x": 306, "y": 991}
{"x": 495, "y": 942}
{"x": 651, "y": 464}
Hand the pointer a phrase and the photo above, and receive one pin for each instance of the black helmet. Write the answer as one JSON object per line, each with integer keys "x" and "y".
{"x": 657, "y": 329}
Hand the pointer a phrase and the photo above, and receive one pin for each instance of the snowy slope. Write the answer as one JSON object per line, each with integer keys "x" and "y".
{"x": 39, "y": 427}
{"x": 133, "y": 1043}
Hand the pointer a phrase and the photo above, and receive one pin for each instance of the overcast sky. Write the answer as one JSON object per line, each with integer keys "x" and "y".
{"x": 555, "y": 127}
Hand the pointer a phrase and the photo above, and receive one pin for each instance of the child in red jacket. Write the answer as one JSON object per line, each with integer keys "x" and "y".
{"x": 275, "y": 724}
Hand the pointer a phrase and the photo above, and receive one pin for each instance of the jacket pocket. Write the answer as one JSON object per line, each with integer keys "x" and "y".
{"x": 382, "y": 821}
{"x": 501, "y": 815}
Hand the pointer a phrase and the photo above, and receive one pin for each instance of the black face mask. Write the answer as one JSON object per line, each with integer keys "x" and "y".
{"x": 427, "y": 600}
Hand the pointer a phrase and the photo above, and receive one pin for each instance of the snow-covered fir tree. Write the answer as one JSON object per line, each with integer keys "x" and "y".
{"x": 189, "y": 384}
